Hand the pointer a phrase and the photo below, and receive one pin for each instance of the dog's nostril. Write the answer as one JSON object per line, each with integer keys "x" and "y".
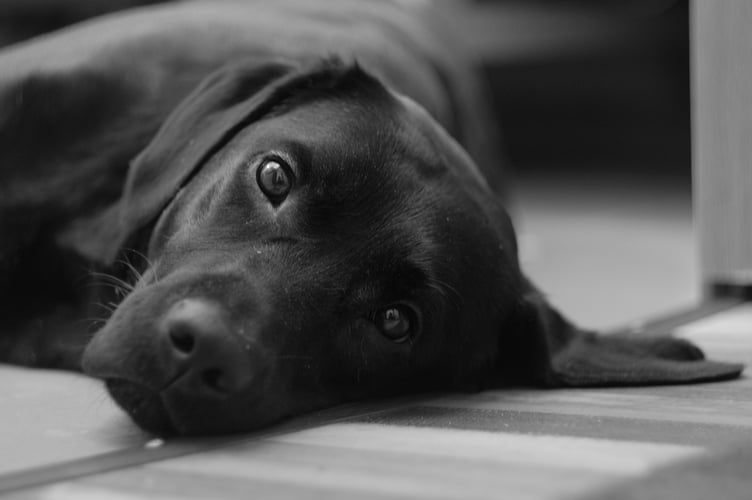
{"x": 182, "y": 339}
{"x": 201, "y": 351}
{"x": 216, "y": 380}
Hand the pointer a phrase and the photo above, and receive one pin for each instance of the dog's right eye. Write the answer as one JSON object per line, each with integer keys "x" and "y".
{"x": 398, "y": 322}
{"x": 274, "y": 178}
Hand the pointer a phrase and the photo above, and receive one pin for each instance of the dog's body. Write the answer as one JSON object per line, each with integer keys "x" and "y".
{"x": 303, "y": 233}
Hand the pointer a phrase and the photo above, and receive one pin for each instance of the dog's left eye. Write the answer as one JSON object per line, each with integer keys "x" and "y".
{"x": 274, "y": 177}
{"x": 396, "y": 322}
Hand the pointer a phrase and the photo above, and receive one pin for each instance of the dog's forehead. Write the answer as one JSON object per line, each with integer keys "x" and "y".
{"x": 340, "y": 133}
{"x": 344, "y": 149}
{"x": 363, "y": 164}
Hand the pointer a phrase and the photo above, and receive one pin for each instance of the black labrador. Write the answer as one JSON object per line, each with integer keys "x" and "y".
{"x": 274, "y": 227}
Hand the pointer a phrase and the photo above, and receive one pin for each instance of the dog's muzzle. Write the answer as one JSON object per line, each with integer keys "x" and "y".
{"x": 183, "y": 370}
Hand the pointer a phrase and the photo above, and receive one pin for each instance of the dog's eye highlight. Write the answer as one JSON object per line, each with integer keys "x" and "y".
{"x": 274, "y": 178}
{"x": 396, "y": 322}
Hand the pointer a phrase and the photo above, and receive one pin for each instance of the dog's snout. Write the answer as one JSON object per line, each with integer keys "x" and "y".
{"x": 206, "y": 356}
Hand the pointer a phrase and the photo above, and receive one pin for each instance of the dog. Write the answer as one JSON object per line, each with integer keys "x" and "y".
{"x": 284, "y": 206}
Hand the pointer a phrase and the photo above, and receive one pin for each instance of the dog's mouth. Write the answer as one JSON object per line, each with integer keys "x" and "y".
{"x": 144, "y": 406}
{"x": 169, "y": 412}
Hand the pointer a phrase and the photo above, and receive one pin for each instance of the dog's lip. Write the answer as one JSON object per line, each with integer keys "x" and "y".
{"x": 144, "y": 405}
{"x": 152, "y": 411}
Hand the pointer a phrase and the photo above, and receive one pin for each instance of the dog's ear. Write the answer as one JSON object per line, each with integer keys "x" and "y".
{"x": 223, "y": 103}
{"x": 539, "y": 346}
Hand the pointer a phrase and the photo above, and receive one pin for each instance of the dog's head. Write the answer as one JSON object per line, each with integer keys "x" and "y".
{"x": 314, "y": 238}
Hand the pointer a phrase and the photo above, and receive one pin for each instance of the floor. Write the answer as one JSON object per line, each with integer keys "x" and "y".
{"x": 65, "y": 433}
{"x": 608, "y": 248}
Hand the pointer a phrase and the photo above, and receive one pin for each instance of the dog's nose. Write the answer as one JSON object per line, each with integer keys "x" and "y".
{"x": 206, "y": 357}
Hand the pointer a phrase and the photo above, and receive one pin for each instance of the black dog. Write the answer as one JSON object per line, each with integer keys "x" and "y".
{"x": 293, "y": 233}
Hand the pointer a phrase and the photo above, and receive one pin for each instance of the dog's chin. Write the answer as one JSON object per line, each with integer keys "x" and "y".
{"x": 169, "y": 413}
{"x": 143, "y": 405}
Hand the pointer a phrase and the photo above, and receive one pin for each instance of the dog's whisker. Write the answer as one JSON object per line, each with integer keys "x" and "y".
{"x": 447, "y": 291}
{"x": 109, "y": 308}
{"x": 99, "y": 400}
{"x": 112, "y": 280}
{"x": 135, "y": 273}
{"x": 139, "y": 254}
{"x": 91, "y": 320}
{"x": 148, "y": 263}
{"x": 446, "y": 286}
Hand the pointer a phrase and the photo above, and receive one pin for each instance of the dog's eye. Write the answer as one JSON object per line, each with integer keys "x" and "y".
{"x": 274, "y": 177}
{"x": 396, "y": 322}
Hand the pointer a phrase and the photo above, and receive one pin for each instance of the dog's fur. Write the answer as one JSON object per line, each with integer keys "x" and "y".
{"x": 133, "y": 146}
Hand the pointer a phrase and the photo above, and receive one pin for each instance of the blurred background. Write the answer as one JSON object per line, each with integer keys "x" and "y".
{"x": 594, "y": 101}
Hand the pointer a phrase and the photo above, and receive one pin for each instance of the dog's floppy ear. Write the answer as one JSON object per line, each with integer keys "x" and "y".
{"x": 205, "y": 120}
{"x": 223, "y": 104}
{"x": 540, "y": 346}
